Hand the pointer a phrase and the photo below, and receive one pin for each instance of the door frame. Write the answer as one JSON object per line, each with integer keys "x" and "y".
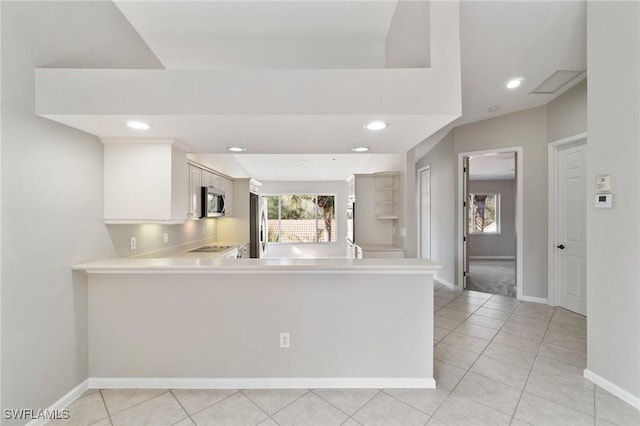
{"x": 553, "y": 222}
{"x": 518, "y": 150}
{"x": 421, "y": 224}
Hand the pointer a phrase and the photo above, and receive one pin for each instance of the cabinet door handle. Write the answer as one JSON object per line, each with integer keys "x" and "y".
{"x": 561, "y": 246}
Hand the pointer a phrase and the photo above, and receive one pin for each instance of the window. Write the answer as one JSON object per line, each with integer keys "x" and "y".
{"x": 301, "y": 218}
{"x": 484, "y": 217}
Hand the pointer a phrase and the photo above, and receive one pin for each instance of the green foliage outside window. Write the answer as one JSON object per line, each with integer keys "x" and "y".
{"x": 484, "y": 214}
{"x": 301, "y": 218}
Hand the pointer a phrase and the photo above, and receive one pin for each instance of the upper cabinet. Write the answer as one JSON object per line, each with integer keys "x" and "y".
{"x": 386, "y": 195}
{"x": 227, "y": 186}
{"x": 145, "y": 181}
{"x": 195, "y": 183}
{"x": 351, "y": 181}
{"x": 200, "y": 176}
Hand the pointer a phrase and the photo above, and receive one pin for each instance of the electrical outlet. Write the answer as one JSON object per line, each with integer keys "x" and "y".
{"x": 132, "y": 243}
{"x": 165, "y": 238}
{"x": 285, "y": 341}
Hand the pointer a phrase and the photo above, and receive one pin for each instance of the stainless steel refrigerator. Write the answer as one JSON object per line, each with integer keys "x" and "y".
{"x": 258, "y": 226}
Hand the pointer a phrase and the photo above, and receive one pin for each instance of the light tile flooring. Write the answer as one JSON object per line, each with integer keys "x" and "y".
{"x": 497, "y": 362}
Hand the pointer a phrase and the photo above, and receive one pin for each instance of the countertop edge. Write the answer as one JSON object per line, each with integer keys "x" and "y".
{"x": 216, "y": 265}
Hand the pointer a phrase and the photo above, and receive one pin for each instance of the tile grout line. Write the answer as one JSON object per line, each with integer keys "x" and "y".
{"x": 407, "y": 404}
{"x": 451, "y": 391}
{"x": 262, "y": 409}
{"x": 141, "y": 402}
{"x": 536, "y": 359}
{"x": 335, "y": 406}
{"x": 217, "y": 402}
{"x": 105, "y": 406}
{"x": 363, "y": 405}
{"x": 271, "y": 416}
{"x": 474, "y": 362}
{"x": 181, "y": 406}
{"x": 534, "y": 364}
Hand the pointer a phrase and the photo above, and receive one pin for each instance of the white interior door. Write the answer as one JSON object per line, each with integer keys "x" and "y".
{"x": 571, "y": 272}
{"x": 425, "y": 213}
{"x": 465, "y": 225}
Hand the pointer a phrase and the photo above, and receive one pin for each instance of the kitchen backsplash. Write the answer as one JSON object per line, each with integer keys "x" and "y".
{"x": 150, "y": 237}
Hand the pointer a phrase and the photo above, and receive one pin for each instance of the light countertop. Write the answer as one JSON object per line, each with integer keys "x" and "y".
{"x": 270, "y": 265}
{"x": 380, "y": 247}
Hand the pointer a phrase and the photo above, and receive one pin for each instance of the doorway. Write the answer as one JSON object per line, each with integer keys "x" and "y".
{"x": 567, "y": 223}
{"x": 424, "y": 213}
{"x": 490, "y": 217}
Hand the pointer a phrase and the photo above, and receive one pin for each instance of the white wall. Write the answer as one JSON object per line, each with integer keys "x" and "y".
{"x": 407, "y": 44}
{"x": 613, "y": 235}
{"x": 52, "y": 196}
{"x": 567, "y": 114}
{"x": 334, "y": 319}
{"x": 529, "y": 129}
{"x": 340, "y": 190}
{"x": 504, "y": 243}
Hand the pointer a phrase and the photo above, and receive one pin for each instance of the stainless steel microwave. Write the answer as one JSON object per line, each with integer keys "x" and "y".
{"x": 212, "y": 202}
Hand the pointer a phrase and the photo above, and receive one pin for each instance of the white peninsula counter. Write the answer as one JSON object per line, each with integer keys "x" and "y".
{"x": 217, "y": 323}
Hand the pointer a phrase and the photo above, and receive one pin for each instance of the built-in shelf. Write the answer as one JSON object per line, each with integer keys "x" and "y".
{"x": 386, "y": 194}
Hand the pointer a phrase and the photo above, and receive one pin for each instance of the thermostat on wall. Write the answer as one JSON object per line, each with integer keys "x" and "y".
{"x": 603, "y": 183}
{"x": 604, "y": 201}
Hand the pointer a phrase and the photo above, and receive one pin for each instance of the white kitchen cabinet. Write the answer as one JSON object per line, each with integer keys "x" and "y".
{"x": 386, "y": 195}
{"x": 145, "y": 182}
{"x": 199, "y": 177}
{"x": 369, "y": 228}
{"x": 195, "y": 185}
{"x": 227, "y": 186}
{"x": 207, "y": 178}
{"x": 351, "y": 181}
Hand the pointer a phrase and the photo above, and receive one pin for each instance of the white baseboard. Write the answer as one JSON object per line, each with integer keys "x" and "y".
{"x": 444, "y": 282}
{"x": 492, "y": 258}
{"x": 63, "y": 402}
{"x": 616, "y": 390}
{"x": 262, "y": 383}
{"x": 533, "y": 299}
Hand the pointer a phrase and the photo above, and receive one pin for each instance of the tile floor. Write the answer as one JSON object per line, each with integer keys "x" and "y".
{"x": 497, "y": 362}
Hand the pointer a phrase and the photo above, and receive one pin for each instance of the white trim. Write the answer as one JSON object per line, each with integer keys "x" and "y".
{"x": 63, "y": 402}
{"x": 444, "y": 282}
{"x": 533, "y": 299}
{"x": 492, "y": 257}
{"x": 552, "y": 212}
{"x": 409, "y": 270}
{"x": 613, "y": 389}
{"x": 262, "y": 383}
{"x": 146, "y": 141}
{"x": 428, "y": 225}
{"x": 519, "y": 212}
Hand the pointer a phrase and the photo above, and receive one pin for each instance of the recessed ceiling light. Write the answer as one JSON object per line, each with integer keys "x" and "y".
{"x": 376, "y": 125}
{"x": 512, "y": 84}
{"x": 138, "y": 125}
{"x": 493, "y": 108}
{"x": 360, "y": 149}
{"x": 236, "y": 149}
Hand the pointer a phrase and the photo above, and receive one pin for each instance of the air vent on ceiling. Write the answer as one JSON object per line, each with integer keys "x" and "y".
{"x": 555, "y": 81}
